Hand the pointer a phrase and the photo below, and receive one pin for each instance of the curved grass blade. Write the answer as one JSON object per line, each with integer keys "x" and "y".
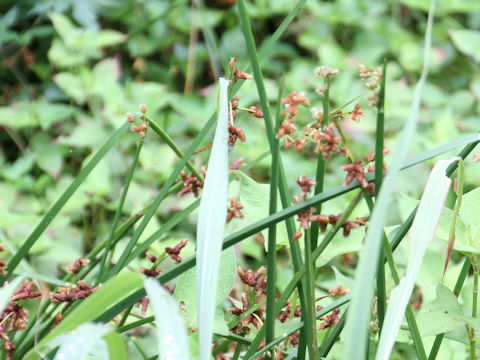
{"x": 423, "y": 230}
{"x": 116, "y": 346}
{"x": 55, "y": 209}
{"x": 116, "y": 218}
{"x": 113, "y": 292}
{"x": 356, "y": 326}
{"x": 211, "y": 225}
{"x": 171, "y": 334}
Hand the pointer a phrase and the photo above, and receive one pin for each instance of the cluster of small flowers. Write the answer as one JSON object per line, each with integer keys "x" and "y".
{"x": 258, "y": 283}
{"x": 142, "y": 128}
{"x": 68, "y": 293}
{"x": 287, "y": 128}
{"x": 190, "y": 184}
{"x": 372, "y": 78}
{"x": 355, "y": 171}
{"x": 234, "y": 210}
{"x": 173, "y": 252}
{"x": 3, "y": 264}
{"x": 307, "y": 216}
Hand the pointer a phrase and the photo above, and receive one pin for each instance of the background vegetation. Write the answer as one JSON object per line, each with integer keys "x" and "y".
{"x": 70, "y": 72}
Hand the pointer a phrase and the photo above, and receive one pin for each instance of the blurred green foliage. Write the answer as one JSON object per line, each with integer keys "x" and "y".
{"x": 72, "y": 69}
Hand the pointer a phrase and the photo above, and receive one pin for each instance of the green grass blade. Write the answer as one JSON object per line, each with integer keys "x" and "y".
{"x": 112, "y": 292}
{"x": 171, "y": 334}
{"x": 423, "y": 230}
{"x": 379, "y": 142}
{"x": 118, "y": 213}
{"x": 272, "y": 236}
{"x": 7, "y": 291}
{"x": 356, "y": 326}
{"x": 55, "y": 209}
{"x": 116, "y": 346}
{"x": 211, "y": 225}
{"x": 161, "y": 196}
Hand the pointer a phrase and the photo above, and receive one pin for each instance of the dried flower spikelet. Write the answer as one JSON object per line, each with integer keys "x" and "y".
{"x": 152, "y": 258}
{"x": 329, "y": 320}
{"x": 77, "y": 265}
{"x": 175, "y": 251}
{"x": 317, "y": 114}
{"x": 130, "y": 117}
{"x": 256, "y": 112}
{"x": 326, "y": 71}
{"x": 357, "y": 113}
{"x": 297, "y": 236}
{"x": 364, "y": 72}
{"x": 143, "y": 108}
{"x": 355, "y": 172}
{"x": 150, "y": 272}
{"x": 237, "y": 164}
{"x": 339, "y": 290}
{"x": 234, "y": 210}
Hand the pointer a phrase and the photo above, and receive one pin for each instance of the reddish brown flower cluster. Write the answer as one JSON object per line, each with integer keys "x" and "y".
{"x": 175, "y": 251}
{"x": 285, "y": 314}
{"x": 256, "y": 112}
{"x": 78, "y": 265}
{"x": 355, "y": 171}
{"x": 287, "y": 128}
{"x": 190, "y": 184}
{"x": 306, "y": 217}
{"x": 234, "y": 210}
{"x": 306, "y": 185}
{"x": 143, "y": 304}
{"x": 14, "y": 317}
{"x": 329, "y": 320}
{"x": 153, "y": 273}
{"x": 3, "y": 264}
{"x": 237, "y": 164}
{"x": 339, "y": 290}
{"x": 357, "y": 113}
{"x": 258, "y": 283}
{"x": 142, "y": 128}
{"x": 235, "y": 133}
{"x": 327, "y": 140}
{"x": 238, "y": 74}
{"x": 68, "y": 293}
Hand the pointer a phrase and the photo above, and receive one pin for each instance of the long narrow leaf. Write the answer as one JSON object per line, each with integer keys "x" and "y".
{"x": 423, "y": 230}
{"x": 356, "y": 326}
{"x": 171, "y": 333}
{"x": 211, "y": 224}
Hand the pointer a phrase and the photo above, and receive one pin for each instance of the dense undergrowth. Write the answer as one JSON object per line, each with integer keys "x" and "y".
{"x": 140, "y": 138}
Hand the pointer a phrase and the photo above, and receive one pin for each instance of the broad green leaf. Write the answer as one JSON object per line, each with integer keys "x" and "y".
{"x": 65, "y": 28}
{"x": 442, "y": 315}
{"x": 73, "y": 85}
{"x": 110, "y": 294}
{"x": 84, "y": 342}
{"x": 116, "y": 346}
{"x": 211, "y": 224}
{"x": 18, "y": 115}
{"x": 254, "y": 197}
{"x": 226, "y": 279}
{"x": 171, "y": 334}
{"x": 468, "y": 42}
{"x": 422, "y": 232}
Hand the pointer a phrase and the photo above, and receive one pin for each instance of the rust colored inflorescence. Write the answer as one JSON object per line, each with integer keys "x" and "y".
{"x": 175, "y": 251}
{"x": 234, "y": 210}
{"x": 190, "y": 184}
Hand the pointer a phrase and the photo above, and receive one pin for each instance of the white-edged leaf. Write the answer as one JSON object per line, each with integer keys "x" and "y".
{"x": 422, "y": 231}
{"x": 211, "y": 225}
{"x": 171, "y": 334}
{"x": 82, "y": 343}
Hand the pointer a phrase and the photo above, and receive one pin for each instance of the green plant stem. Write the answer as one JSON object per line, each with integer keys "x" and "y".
{"x": 309, "y": 319}
{"x": 168, "y": 140}
{"x": 118, "y": 213}
{"x": 272, "y": 240}
{"x": 321, "y": 165}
